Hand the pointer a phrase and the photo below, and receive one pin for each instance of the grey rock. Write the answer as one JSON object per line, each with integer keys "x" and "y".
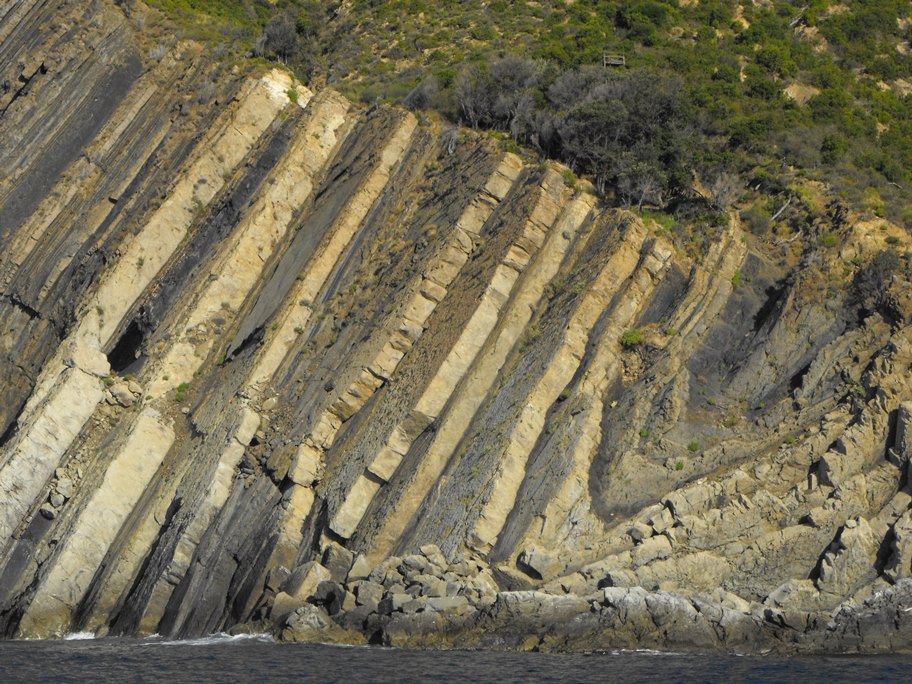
{"x": 392, "y": 603}
{"x": 369, "y": 594}
{"x": 64, "y": 487}
{"x": 122, "y": 394}
{"x": 338, "y": 560}
{"x": 640, "y": 532}
{"x": 448, "y": 604}
{"x": 355, "y": 618}
{"x": 651, "y": 549}
{"x": 415, "y": 564}
{"x": 431, "y": 586}
{"x": 850, "y": 560}
{"x": 331, "y": 596}
{"x": 310, "y": 623}
{"x": 360, "y": 569}
{"x": 278, "y": 577}
{"x": 433, "y": 553}
{"x": 416, "y": 605}
{"x": 538, "y": 563}
{"x": 899, "y": 563}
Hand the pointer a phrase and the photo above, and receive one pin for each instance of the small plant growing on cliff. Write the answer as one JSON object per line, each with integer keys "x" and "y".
{"x": 632, "y": 338}
{"x": 679, "y": 465}
{"x": 736, "y": 279}
{"x": 693, "y": 447}
{"x": 181, "y": 393}
{"x": 292, "y": 95}
{"x": 644, "y": 433}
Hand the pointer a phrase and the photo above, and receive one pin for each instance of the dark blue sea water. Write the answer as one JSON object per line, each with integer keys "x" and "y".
{"x": 258, "y": 659}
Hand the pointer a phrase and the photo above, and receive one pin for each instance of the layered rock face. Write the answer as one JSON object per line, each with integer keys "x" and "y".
{"x": 269, "y": 358}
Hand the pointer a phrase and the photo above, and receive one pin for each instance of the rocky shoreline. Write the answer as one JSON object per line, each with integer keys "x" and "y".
{"x": 423, "y": 601}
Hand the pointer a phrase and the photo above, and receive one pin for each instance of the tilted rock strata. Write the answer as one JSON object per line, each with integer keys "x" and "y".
{"x": 279, "y": 360}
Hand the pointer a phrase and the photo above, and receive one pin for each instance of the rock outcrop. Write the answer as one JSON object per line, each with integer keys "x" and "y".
{"x": 273, "y": 359}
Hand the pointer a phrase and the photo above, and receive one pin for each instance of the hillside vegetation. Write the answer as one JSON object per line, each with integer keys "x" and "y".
{"x": 751, "y": 97}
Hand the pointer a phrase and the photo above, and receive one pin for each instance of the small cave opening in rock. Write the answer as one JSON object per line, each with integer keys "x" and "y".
{"x": 797, "y": 380}
{"x": 125, "y": 357}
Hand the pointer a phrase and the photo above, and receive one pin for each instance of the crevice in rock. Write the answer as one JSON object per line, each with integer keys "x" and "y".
{"x": 128, "y": 615}
{"x": 774, "y": 294}
{"x": 29, "y": 311}
{"x": 126, "y": 355}
{"x": 797, "y": 380}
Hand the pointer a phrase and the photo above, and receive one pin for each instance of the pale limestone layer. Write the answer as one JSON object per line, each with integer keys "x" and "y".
{"x": 152, "y": 247}
{"x": 325, "y": 134}
{"x": 514, "y": 321}
{"x": 59, "y": 419}
{"x": 81, "y": 176}
{"x": 289, "y": 185}
{"x": 75, "y": 564}
{"x": 622, "y": 265}
{"x": 203, "y": 515}
{"x": 568, "y": 517}
{"x": 263, "y": 229}
{"x": 23, "y": 474}
{"x": 307, "y": 462}
{"x": 570, "y": 508}
{"x": 495, "y": 305}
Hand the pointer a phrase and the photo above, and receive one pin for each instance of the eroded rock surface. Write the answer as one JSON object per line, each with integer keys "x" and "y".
{"x": 288, "y": 361}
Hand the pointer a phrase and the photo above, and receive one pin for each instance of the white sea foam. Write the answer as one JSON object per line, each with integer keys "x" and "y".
{"x": 210, "y": 640}
{"x": 79, "y": 636}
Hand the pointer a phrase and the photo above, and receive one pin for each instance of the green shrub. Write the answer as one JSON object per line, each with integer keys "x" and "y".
{"x": 181, "y": 392}
{"x": 756, "y": 219}
{"x": 693, "y": 446}
{"x": 632, "y": 338}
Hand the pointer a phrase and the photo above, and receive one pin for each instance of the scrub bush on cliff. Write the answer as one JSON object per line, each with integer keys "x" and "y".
{"x": 279, "y": 38}
{"x": 629, "y": 131}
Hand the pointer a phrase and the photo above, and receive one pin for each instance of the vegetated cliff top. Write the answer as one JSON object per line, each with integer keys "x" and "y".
{"x": 767, "y": 89}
